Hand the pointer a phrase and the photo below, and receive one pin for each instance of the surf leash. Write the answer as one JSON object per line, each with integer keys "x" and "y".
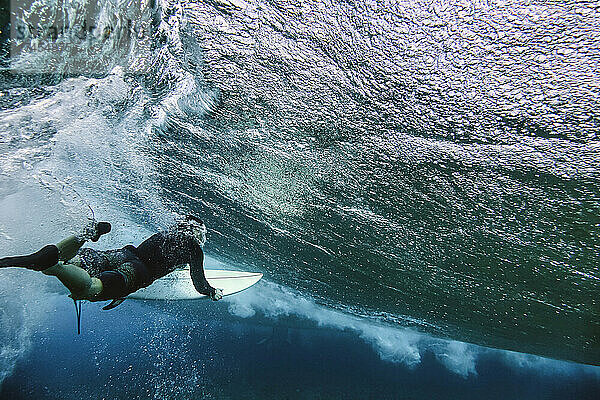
{"x": 78, "y": 314}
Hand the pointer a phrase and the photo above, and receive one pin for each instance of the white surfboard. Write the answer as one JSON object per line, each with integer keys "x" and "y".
{"x": 178, "y": 284}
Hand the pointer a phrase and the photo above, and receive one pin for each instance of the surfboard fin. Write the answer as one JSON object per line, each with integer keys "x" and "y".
{"x": 113, "y": 304}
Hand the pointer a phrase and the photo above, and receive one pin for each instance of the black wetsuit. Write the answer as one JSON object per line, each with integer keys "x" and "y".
{"x": 126, "y": 270}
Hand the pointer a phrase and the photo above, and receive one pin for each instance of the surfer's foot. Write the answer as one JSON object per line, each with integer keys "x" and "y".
{"x": 38, "y": 261}
{"x": 95, "y": 230}
{"x": 217, "y": 294}
{"x": 101, "y": 229}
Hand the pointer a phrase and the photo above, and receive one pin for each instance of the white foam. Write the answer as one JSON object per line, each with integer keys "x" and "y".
{"x": 459, "y": 357}
{"x": 24, "y": 306}
{"x": 545, "y": 366}
{"x": 398, "y": 345}
{"x": 31, "y": 215}
{"x": 393, "y": 344}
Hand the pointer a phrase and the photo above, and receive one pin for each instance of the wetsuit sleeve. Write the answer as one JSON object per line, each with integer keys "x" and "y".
{"x": 197, "y": 272}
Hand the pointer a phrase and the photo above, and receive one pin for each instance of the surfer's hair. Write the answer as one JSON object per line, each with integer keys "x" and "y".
{"x": 193, "y": 225}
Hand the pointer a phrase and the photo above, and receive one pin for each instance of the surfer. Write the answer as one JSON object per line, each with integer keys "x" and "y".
{"x": 113, "y": 274}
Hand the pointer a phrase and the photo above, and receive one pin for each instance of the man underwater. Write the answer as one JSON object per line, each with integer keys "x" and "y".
{"x": 113, "y": 274}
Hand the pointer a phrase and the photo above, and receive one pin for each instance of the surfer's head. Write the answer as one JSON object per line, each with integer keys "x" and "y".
{"x": 195, "y": 226}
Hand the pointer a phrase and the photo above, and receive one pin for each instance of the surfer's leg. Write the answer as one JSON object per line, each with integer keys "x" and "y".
{"x": 75, "y": 278}
{"x": 69, "y": 247}
{"x": 79, "y": 282}
{"x": 65, "y": 250}
{"x": 48, "y": 256}
{"x": 110, "y": 284}
{"x": 38, "y": 261}
{"x": 116, "y": 273}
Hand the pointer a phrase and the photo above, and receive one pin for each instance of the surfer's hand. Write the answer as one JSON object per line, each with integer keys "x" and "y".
{"x": 217, "y": 294}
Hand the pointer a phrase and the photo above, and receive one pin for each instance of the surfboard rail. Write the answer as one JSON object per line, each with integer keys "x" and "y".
{"x": 178, "y": 284}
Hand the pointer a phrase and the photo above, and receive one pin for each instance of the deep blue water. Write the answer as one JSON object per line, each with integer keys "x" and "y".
{"x": 198, "y": 350}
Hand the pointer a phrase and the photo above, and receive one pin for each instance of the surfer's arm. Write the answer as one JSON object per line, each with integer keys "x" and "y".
{"x": 197, "y": 273}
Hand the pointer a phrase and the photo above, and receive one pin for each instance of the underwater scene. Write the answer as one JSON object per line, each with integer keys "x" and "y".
{"x": 417, "y": 181}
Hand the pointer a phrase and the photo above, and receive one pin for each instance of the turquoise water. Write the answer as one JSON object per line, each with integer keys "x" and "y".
{"x": 418, "y": 178}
